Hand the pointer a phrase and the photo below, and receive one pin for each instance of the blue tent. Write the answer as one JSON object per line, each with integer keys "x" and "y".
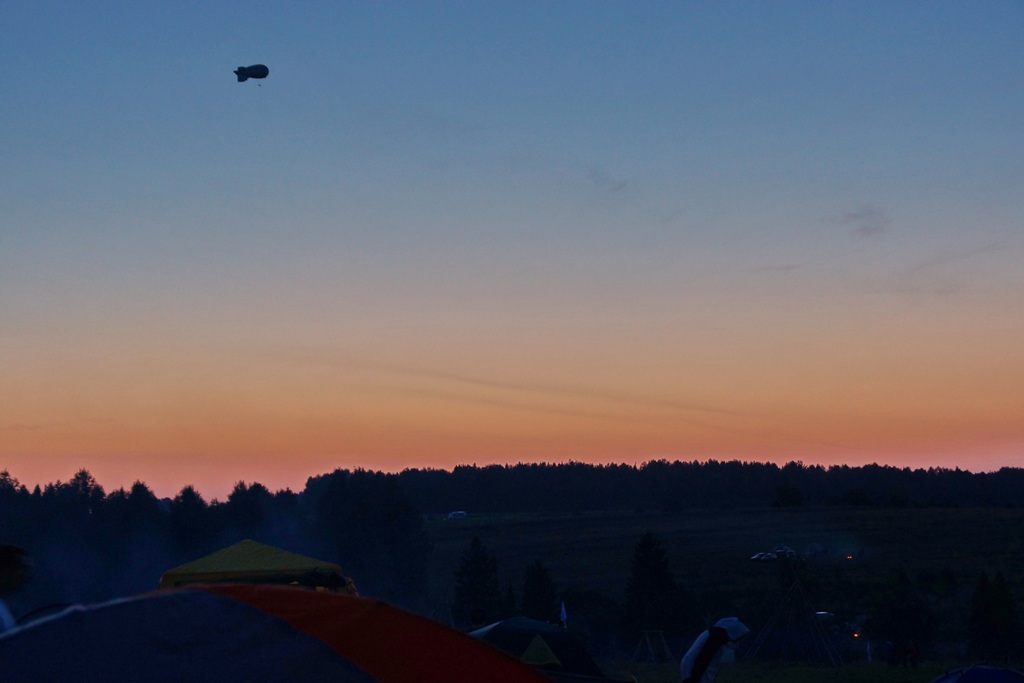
{"x": 981, "y": 674}
{"x": 230, "y": 633}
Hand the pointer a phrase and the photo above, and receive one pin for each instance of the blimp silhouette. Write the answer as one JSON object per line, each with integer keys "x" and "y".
{"x": 244, "y": 73}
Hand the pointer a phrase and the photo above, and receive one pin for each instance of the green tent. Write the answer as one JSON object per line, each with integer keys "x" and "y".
{"x": 553, "y": 650}
{"x": 251, "y": 562}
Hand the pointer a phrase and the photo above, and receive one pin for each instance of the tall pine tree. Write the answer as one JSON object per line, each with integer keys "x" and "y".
{"x": 652, "y": 597}
{"x": 992, "y": 630}
{"x": 478, "y": 598}
{"x": 540, "y": 594}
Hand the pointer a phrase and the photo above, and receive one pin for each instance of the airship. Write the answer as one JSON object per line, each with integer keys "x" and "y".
{"x": 244, "y": 73}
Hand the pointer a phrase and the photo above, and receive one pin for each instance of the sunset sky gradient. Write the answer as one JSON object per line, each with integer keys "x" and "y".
{"x": 500, "y": 232}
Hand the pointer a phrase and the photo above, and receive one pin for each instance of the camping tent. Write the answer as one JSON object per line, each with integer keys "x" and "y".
{"x": 981, "y": 674}
{"x": 549, "y": 648}
{"x": 232, "y": 633}
{"x": 251, "y": 562}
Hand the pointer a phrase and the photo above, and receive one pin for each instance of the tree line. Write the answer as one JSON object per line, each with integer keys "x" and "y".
{"x": 88, "y": 545}
{"x": 678, "y": 485}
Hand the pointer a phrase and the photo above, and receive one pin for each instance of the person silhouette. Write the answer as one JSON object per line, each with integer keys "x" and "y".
{"x": 15, "y": 568}
{"x": 700, "y": 663}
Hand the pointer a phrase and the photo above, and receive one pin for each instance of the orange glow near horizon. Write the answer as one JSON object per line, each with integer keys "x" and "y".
{"x": 281, "y": 430}
{"x": 190, "y": 407}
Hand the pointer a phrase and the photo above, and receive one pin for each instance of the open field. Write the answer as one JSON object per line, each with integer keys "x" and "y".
{"x": 710, "y": 552}
{"x": 710, "y": 549}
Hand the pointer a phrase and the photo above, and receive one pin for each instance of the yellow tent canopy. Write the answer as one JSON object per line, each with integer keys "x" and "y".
{"x": 251, "y": 562}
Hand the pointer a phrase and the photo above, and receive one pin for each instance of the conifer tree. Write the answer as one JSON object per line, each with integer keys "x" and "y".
{"x": 652, "y": 601}
{"x": 540, "y": 594}
{"x": 478, "y": 597}
{"x": 992, "y": 630}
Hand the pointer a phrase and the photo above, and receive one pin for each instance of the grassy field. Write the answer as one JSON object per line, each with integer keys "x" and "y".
{"x": 747, "y": 673}
{"x": 709, "y": 551}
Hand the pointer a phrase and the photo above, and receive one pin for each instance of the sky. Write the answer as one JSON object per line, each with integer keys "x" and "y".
{"x": 500, "y": 232}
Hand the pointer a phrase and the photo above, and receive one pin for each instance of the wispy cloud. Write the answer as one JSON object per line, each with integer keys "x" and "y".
{"x": 605, "y": 183}
{"x": 564, "y": 391}
{"x": 868, "y": 221}
{"x": 780, "y": 268}
{"x": 536, "y": 397}
{"x": 28, "y": 427}
{"x": 944, "y": 260}
{"x": 560, "y": 400}
{"x": 944, "y": 274}
{"x": 549, "y": 398}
